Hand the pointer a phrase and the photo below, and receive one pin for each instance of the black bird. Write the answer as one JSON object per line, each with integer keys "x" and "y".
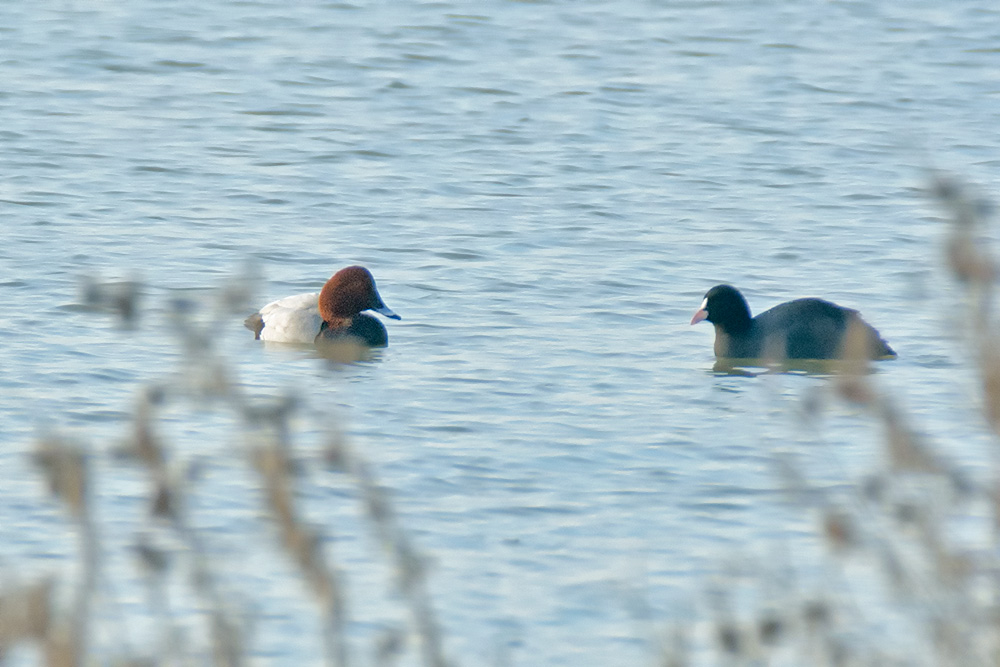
{"x": 799, "y": 329}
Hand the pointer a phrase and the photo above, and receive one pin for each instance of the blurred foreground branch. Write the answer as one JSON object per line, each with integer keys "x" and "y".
{"x": 171, "y": 545}
{"x": 912, "y": 555}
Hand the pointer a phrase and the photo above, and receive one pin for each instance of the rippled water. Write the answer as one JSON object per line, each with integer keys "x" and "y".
{"x": 544, "y": 192}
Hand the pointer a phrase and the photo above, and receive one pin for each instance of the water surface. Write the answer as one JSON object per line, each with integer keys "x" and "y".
{"x": 544, "y": 192}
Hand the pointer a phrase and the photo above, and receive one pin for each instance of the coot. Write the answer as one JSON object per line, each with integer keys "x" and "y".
{"x": 799, "y": 329}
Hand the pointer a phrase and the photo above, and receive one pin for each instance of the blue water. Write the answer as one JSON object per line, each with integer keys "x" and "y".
{"x": 543, "y": 192}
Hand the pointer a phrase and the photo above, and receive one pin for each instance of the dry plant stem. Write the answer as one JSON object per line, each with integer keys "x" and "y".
{"x": 171, "y": 642}
{"x": 204, "y": 379}
{"x": 409, "y": 567}
{"x": 906, "y": 455}
{"x": 303, "y": 544}
{"x": 227, "y": 640}
{"x": 977, "y": 274}
{"x": 273, "y": 465}
{"x": 976, "y": 270}
{"x": 167, "y": 496}
{"x": 25, "y": 614}
{"x": 65, "y": 467}
{"x": 908, "y": 532}
{"x": 674, "y": 649}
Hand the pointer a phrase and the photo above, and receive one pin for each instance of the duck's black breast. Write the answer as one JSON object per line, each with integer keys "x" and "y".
{"x": 365, "y": 328}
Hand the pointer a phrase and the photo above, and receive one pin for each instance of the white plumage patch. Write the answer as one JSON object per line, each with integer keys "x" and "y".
{"x": 294, "y": 319}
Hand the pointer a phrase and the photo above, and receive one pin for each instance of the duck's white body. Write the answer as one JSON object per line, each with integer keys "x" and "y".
{"x": 293, "y": 319}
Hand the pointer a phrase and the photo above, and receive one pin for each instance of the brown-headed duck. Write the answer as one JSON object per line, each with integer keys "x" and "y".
{"x": 332, "y": 314}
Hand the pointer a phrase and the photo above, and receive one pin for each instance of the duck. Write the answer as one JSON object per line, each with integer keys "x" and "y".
{"x": 332, "y": 314}
{"x": 801, "y": 329}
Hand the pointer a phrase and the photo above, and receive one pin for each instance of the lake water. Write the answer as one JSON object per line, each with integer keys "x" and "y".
{"x": 544, "y": 192}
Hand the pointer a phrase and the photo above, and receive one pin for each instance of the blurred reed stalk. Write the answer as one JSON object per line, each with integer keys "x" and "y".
{"x": 65, "y": 637}
{"x": 890, "y": 546}
{"x": 302, "y": 543}
{"x": 409, "y": 566}
{"x": 29, "y": 614}
{"x": 897, "y": 527}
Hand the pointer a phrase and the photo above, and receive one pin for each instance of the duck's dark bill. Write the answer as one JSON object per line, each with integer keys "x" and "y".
{"x": 387, "y": 312}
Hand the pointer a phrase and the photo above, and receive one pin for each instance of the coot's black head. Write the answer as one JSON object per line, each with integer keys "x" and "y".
{"x": 726, "y": 308}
